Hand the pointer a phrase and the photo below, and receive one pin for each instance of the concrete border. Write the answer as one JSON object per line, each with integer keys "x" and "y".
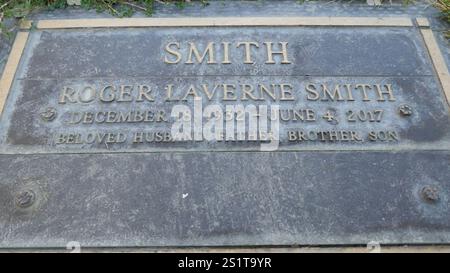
{"x": 226, "y": 22}
{"x": 11, "y": 66}
{"x": 436, "y": 56}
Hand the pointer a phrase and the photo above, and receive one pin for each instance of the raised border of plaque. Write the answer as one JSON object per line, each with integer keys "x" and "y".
{"x": 397, "y": 195}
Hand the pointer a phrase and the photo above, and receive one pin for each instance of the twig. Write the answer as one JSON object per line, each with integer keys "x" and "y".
{"x": 5, "y": 4}
{"x": 111, "y": 8}
{"x": 134, "y": 5}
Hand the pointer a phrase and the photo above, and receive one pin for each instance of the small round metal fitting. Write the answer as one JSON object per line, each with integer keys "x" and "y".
{"x": 25, "y": 199}
{"x": 48, "y": 114}
{"x": 430, "y": 194}
{"x": 405, "y": 110}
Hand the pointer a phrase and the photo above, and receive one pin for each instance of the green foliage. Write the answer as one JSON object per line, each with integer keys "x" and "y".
{"x": 119, "y": 8}
{"x": 444, "y": 5}
{"x": 21, "y": 8}
{"x": 180, "y": 4}
{"x": 407, "y": 2}
{"x": 5, "y": 31}
{"x": 148, "y": 6}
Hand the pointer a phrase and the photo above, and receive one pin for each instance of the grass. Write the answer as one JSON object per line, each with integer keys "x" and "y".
{"x": 118, "y": 8}
{"x": 444, "y": 6}
{"x": 121, "y": 8}
{"x": 124, "y": 8}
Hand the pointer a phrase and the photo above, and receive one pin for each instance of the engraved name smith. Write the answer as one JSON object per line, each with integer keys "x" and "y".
{"x": 226, "y": 50}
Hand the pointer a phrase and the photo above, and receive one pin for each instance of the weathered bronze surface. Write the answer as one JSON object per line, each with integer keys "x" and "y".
{"x": 311, "y": 84}
{"x": 225, "y": 134}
